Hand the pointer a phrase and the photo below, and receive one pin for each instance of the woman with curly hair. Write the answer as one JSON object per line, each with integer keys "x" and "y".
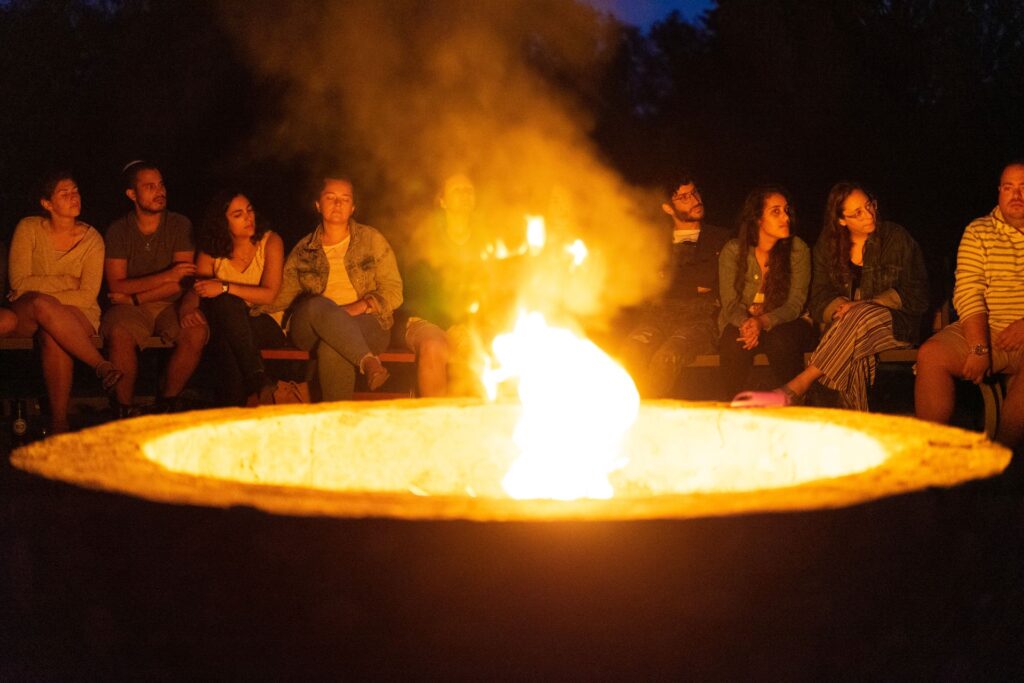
{"x": 870, "y": 289}
{"x": 239, "y": 265}
{"x": 764, "y": 274}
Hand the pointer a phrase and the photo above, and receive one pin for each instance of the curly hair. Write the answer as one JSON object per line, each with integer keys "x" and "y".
{"x": 213, "y": 235}
{"x": 776, "y": 282}
{"x": 835, "y": 236}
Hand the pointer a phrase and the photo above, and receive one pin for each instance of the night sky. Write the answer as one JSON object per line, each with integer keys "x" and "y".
{"x": 644, "y": 12}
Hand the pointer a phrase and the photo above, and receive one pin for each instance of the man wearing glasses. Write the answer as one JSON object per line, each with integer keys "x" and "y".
{"x": 681, "y": 324}
{"x": 989, "y": 298}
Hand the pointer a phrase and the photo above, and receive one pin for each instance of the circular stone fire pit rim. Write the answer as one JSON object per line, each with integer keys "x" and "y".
{"x": 953, "y": 456}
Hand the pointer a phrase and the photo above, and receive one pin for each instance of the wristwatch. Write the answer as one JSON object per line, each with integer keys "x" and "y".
{"x": 980, "y": 350}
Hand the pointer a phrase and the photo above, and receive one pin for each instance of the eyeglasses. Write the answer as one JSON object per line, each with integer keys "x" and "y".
{"x": 863, "y": 212}
{"x": 685, "y": 196}
{"x": 1010, "y": 188}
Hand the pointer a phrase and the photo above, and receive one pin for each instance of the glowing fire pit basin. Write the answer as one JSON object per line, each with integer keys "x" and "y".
{"x": 445, "y": 460}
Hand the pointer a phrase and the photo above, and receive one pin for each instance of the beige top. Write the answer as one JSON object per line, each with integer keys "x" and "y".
{"x": 339, "y": 286}
{"x": 73, "y": 277}
{"x": 224, "y": 270}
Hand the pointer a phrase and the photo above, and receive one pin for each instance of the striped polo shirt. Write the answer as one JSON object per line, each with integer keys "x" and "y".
{"x": 990, "y": 271}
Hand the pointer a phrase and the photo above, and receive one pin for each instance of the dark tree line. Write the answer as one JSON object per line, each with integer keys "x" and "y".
{"x": 921, "y": 99}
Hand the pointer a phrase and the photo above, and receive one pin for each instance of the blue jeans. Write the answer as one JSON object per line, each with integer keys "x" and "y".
{"x": 341, "y": 341}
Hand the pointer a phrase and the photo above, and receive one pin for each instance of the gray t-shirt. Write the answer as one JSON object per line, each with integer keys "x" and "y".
{"x": 148, "y": 254}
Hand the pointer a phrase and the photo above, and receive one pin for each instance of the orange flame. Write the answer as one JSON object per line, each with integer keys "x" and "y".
{"x": 577, "y": 406}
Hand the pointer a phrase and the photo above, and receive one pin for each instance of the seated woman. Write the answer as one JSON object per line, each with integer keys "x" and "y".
{"x": 870, "y": 288}
{"x": 56, "y": 267}
{"x": 340, "y": 288}
{"x": 8, "y": 320}
{"x": 238, "y": 266}
{"x": 764, "y": 275}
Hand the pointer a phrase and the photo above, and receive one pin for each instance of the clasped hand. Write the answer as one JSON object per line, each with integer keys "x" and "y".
{"x": 750, "y": 331}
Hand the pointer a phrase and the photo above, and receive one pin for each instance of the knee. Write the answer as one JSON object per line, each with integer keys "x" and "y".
{"x": 44, "y": 307}
{"x": 934, "y": 356}
{"x": 8, "y": 322}
{"x": 433, "y": 351}
{"x": 193, "y": 338}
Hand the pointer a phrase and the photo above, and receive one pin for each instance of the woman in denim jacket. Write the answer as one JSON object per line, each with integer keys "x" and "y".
{"x": 340, "y": 289}
{"x": 763, "y": 278}
{"x": 870, "y": 289}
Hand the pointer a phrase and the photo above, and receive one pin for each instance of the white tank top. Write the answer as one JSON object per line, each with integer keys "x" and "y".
{"x": 224, "y": 270}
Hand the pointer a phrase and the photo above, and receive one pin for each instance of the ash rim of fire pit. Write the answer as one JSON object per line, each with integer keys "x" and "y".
{"x": 118, "y": 457}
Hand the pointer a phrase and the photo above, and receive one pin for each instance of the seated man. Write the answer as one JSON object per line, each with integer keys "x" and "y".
{"x": 441, "y": 288}
{"x": 339, "y": 291}
{"x": 989, "y": 298}
{"x": 683, "y": 323}
{"x": 149, "y": 255}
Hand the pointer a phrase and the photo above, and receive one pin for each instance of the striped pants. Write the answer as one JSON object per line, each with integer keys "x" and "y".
{"x": 847, "y": 352}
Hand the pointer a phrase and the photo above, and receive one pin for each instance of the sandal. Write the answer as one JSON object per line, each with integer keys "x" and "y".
{"x": 108, "y": 374}
{"x": 778, "y": 398}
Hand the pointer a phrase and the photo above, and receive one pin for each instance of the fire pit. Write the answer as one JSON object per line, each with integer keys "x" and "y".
{"x": 445, "y": 459}
{"x": 375, "y": 556}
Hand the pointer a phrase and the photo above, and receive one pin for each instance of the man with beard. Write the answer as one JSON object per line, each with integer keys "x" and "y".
{"x": 989, "y": 299}
{"x": 681, "y": 324}
{"x": 149, "y": 259}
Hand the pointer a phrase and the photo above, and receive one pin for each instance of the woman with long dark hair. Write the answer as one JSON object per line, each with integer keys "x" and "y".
{"x": 869, "y": 290}
{"x": 239, "y": 265}
{"x": 764, "y": 274}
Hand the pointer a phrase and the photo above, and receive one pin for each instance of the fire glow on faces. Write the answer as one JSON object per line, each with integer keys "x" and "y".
{"x": 149, "y": 192}
{"x": 65, "y": 202}
{"x": 775, "y": 217}
{"x": 337, "y": 201}
{"x": 685, "y": 205}
{"x": 859, "y": 213}
{"x": 241, "y": 217}
{"x": 1011, "y": 193}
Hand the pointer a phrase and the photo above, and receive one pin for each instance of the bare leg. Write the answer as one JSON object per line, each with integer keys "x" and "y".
{"x": 65, "y": 324}
{"x": 934, "y": 391}
{"x": 8, "y": 322}
{"x": 58, "y": 366}
{"x": 1011, "y": 420}
{"x": 188, "y": 348}
{"x": 124, "y": 355}
{"x": 432, "y": 363}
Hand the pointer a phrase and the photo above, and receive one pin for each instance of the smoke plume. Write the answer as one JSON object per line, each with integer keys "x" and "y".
{"x": 402, "y": 93}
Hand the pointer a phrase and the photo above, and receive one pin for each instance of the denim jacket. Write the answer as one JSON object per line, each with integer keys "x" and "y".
{"x": 734, "y": 309}
{"x": 894, "y": 275}
{"x": 370, "y": 264}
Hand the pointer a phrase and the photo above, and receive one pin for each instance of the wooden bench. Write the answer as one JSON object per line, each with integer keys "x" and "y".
{"x": 992, "y": 391}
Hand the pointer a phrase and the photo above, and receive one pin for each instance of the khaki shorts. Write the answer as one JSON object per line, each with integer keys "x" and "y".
{"x": 1003, "y": 362}
{"x": 418, "y": 330}
{"x": 154, "y": 318}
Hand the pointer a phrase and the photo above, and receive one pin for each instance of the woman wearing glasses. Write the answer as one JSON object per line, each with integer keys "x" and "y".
{"x": 763, "y": 278}
{"x": 870, "y": 289}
